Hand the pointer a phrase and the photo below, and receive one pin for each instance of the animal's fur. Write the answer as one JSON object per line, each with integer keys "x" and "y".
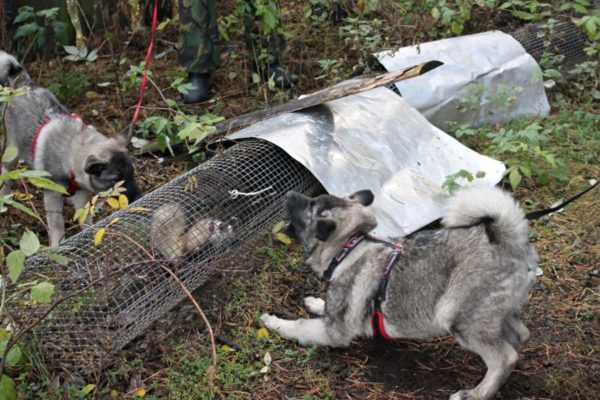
{"x": 468, "y": 279}
{"x": 172, "y": 236}
{"x": 65, "y": 146}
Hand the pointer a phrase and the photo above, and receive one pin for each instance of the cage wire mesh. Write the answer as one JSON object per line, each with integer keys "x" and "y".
{"x": 564, "y": 40}
{"x": 191, "y": 225}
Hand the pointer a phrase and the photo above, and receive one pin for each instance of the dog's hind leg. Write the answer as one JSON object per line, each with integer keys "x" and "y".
{"x": 315, "y": 305}
{"x": 306, "y": 331}
{"x": 500, "y": 358}
{"x": 54, "y": 202}
{"x": 514, "y": 330}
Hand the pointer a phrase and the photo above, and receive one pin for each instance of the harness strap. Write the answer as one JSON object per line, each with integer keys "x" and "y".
{"x": 377, "y": 318}
{"x": 37, "y": 135}
{"x": 348, "y": 247}
{"x": 377, "y": 321}
{"x": 73, "y": 185}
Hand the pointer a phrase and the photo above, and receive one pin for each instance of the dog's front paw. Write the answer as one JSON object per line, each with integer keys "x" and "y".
{"x": 269, "y": 321}
{"x": 462, "y": 395}
{"x": 314, "y": 305}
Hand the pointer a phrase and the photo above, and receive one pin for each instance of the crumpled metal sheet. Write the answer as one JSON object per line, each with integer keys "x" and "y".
{"x": 486, "y": 78}
{"x": 375, "y": 140}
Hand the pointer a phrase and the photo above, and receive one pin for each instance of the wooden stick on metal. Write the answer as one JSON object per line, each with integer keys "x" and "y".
{"x": 342, "y": 89}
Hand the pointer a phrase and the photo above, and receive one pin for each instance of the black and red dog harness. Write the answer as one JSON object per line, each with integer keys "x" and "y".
{"x": 397, "y": 250}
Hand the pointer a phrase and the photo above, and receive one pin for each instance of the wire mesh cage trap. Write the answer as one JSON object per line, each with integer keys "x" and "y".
{"x": 564, "y": 39}
{"x": 114, "y": 290}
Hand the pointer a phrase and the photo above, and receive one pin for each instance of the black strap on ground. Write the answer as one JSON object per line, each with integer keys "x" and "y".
{"x": 540, "y": 213}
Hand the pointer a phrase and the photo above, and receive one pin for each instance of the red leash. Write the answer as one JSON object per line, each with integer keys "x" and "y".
{"x": 146, "y": 63}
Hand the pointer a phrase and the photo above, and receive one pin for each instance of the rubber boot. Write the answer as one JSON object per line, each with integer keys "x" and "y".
{"x": 201, "y": 88}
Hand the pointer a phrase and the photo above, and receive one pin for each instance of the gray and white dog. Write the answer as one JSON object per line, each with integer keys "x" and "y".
{"x": 50, "y": 139}
{"x": 468, "y": 279}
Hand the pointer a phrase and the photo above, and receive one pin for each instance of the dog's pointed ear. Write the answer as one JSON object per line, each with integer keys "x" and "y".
{"x": 94, "y": 166}
{"x": 364, "y": 197}
{"x": 324, "y": 228}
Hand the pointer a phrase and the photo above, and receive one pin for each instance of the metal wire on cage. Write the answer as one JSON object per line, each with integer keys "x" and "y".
{"x": 190, "y": 225}
{"x": 561, "y": 39}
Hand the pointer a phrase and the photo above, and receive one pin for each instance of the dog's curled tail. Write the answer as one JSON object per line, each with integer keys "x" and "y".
{"x": 9, "y": 68}
{"x": 505, "y": 221}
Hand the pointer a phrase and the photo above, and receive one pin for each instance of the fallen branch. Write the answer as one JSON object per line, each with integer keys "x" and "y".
{"x": 342, "y": 89}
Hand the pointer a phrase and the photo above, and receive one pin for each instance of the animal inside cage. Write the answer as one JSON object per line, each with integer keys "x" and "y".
{"x": 191, "y": 225}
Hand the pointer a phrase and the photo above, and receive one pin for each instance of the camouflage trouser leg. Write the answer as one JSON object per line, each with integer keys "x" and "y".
{"x": 199, "y": 36}
{"x": 263, "y": 49}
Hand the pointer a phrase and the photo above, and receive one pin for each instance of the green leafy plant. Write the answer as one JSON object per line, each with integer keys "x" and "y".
{"x": 38, "y": 27}
{"x": 453, "y": 181}
{"x": 40, "y": 290}
{"x": 523, "y": 151}
{"x": 363, "y": 37}
{"x": 177, "y": 127}
{"x": 71, "y": 85}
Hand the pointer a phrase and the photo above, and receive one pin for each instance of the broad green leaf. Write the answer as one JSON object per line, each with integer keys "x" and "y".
{"x": 164, "y": 23}
{"x": 88, "y": 388}
{"x": 61, "y": 31}
{"x": 514, "y": 177}
{"x": 34, "y": 174}
{"x": 552, "y": 73}
{"x": 71, "y": 50}
{"x": 29, "y": 243}
{"x": 27, "y": 29}
{"x": 8, "y": 389}
{"x": 15, "y": 261}
{"x": 44, "y": 183}
{"x": 269, "y": 20}
{"x": 23, "y": 208}
{"x": 92, "y": 56}
{"x": 15, "y": 174}
{"x": 25, "y": 13}
{"x": 59, "y": 259}
{"x": 41, "y": 36}
{"x": 10, "y": 154}
{"x": 48, "y": 12}
{"x": 524, "y": 15}
{"x": 14, "y": 356}
{"x": 456, "y": 28}
{"x": 42, "y": 292}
